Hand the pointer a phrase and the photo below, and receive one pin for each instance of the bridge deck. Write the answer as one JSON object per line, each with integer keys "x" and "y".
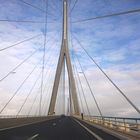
{"x": 60, "y": 128}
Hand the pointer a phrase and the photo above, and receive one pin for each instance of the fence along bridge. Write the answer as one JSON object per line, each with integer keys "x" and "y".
{"x": 76, "y": 121}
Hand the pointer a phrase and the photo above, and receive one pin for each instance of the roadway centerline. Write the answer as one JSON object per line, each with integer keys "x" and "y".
{"x": 92, "y": 133}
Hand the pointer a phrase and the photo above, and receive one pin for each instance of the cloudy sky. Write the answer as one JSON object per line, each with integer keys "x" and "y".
{"x": 113, "y": 42}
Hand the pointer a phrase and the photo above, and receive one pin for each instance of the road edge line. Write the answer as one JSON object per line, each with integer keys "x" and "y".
{"x": 95, "y": 135}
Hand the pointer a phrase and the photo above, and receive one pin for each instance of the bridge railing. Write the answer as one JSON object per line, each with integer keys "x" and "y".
{"x": 127, "y": 125}
{"x": 19, "y": 116}
{"x": 7, "y": 121}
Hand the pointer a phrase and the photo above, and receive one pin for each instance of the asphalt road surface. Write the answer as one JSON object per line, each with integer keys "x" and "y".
{"x": 63, "y": 128}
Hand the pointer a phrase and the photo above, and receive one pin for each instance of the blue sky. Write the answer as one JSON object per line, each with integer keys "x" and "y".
{"x": 115, "y": 34}
{"x": 113, "y": 42}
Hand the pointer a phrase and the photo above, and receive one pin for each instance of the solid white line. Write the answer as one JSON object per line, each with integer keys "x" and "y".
{"x": 111, "y": 132}
{"x": 34, "y": 136}
{"x": 95, "y": 135}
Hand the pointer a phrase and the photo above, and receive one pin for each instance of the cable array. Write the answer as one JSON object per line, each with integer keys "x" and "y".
{"x": 44, "y": 54}
{"x": 95, "y": 100}
{"x": 15, "y": 93}
{"x": 30, "y": 56}
{"x": 107, "y": 16}
{"x": 43, "y": 77}
{"x": 106, "y": 75}
{"x": 17, "y": 66}
{"x": 75, "y": 2}
{"x": 5, "y": 48}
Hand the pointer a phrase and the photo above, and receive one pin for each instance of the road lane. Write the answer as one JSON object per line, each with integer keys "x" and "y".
{"x": 104, "y": 135}
{"x": 63, "y": 128}
{"x": 91, "y": 132}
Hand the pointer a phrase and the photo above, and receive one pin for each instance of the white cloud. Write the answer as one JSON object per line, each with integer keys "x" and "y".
{"x": 109, "y": 99}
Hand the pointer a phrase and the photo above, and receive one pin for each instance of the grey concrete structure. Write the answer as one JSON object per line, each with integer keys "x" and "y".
{"x": 64, "y": 56}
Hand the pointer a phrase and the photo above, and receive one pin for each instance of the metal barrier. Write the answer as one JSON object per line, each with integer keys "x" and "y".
{"x": 126, "y": 125}
{"x": 19, "y": 116}
{"x": 7, "y": 121}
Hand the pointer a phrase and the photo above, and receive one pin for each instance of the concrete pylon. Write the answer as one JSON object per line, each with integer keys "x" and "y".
{"x": 64, "y": 56}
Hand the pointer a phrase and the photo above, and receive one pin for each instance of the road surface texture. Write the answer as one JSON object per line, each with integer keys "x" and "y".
{"x": 63, "y": 128}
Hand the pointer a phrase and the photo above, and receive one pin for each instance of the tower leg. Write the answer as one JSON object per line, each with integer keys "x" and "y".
{"x": 64, "y": 54}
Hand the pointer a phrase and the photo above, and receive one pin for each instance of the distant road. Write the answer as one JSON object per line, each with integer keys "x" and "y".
{"x": 63, "y": 128}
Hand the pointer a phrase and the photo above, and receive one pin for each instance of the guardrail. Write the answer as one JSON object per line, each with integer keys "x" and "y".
{"x": 126, "y": 125}
{"x": 7, "y": 121}
{"x": 19, "y": 116}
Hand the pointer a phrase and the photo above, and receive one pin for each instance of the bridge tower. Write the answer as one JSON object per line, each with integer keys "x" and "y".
{"x": 64, "y": 57}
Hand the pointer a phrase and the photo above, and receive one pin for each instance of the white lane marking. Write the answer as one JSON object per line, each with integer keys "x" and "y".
{"x": 33, "y": 137}
{"x": 95, "y": 135}
{"x": 54, "y": 124}
{"x": 111, "y": 132}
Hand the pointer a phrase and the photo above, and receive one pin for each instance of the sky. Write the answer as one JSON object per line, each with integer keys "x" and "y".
{"x": 113, "y": 42}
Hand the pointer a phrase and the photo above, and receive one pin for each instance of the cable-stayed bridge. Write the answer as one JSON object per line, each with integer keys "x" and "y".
{"x": 65, "y": 113}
